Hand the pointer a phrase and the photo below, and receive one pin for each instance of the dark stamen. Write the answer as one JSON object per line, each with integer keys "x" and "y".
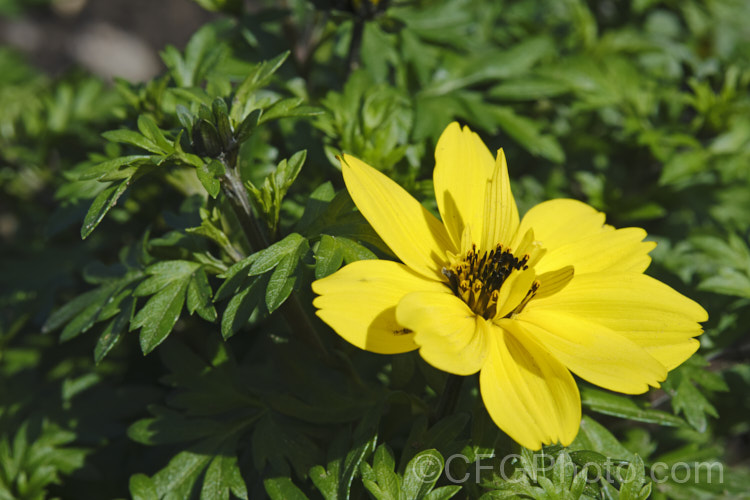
{"x": 478, "y": 278}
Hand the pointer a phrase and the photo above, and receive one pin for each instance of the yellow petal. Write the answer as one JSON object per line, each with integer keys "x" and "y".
{"x": 359, "y": 303}
{"x": 514, "y": 290}
{"x": 416, "y": 236}
{"x": 464, "y": 169}
{"x": 590, "y": 350}
{"x": 500, "y": 211}
{"x": 552, "y": 282}
{"x": 558, "y": 222}
{"x": 451, "y": 337}
{"x": 530, "y": 395}
{"x": 646, "y": 311}
{"x": 614, "y": 251}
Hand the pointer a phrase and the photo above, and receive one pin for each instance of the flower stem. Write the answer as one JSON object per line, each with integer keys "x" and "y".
{"x": 449, "y": 397}
{"x": 292, "y": 309}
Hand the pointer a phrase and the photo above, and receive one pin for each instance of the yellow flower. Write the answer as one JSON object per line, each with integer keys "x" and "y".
{"x": 522, "y": 302}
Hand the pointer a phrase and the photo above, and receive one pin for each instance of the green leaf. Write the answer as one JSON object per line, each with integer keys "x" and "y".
{"x": 526, "y": 133}
{"x": 142, "y": 488}
{"x": 443, "y": 493}
{"x": 134, "y": 139}
{"x": 284, "y": 277}
{"x": 287, "y": 171}
{"x": 694, "y": 405}
{"x": 102, "y": 204}
{"x": 594, "y": 436}
{"x": 199, "y": 296}
{"x": 242, "y": 305}
{"x": 328, "y": 256}
{"x": 223, "y": 476}
{"x": 235, "y": 278}
{"x": 282, "y": 488}
{"x": 258, "y": 78}
{"x": 529, "y": 88}
{"x": 422, "y": 472}
{"x": 71, "y": 310}
{"x": 164, "y": 273}
{"x": 287, "y": 108}
{"x": 114, "y": 329}
{"x": 206, "y": 137}
{"x": 268, "y": 258}
{"x": 109, "y": 167}
{"x": 202, "y": 53}
{"x": 221, "y": 117}
{"x": 208, "y": 174}
{"x": 247, "y": 126}
{"x": 86, "y": 319}
{"x": 185, "y": 117}
{"x": 278, "y": 446}
{"x": 176, "y": 480}
{"x": 624, "y": 407}
{"x": 153, "y": 133}
{"x": 159, "y": 315}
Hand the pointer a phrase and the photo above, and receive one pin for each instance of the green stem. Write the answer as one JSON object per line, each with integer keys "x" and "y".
{"x": 449, "y": 397}
{"x": 292, "y": 309}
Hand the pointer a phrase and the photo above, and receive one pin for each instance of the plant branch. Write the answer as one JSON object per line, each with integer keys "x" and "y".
{"x": 292, "y": 309}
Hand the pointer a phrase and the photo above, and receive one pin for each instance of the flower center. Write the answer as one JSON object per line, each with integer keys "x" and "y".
{"x": 476, "y": 279}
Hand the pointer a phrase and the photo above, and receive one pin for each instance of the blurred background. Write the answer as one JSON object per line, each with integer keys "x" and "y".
{"x": 110, "y": 38}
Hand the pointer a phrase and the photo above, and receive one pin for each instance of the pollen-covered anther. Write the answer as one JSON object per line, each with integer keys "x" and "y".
{"x": 478, "y": 276}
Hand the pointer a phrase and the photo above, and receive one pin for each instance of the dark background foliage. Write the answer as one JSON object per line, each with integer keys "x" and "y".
{"x": 173, "y": 352}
